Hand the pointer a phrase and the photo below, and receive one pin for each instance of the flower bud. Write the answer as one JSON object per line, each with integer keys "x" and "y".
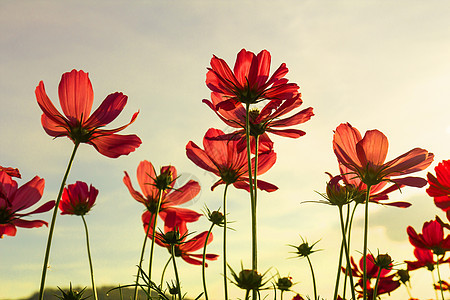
{"x": 284, "y": 283}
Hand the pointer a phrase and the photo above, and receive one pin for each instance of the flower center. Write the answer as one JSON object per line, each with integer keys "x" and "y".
{"x": 5, "y": 215}
{"x": 80, "y": 134}
{"x": 229, "y": 176}
{"x": 256, "y": 129}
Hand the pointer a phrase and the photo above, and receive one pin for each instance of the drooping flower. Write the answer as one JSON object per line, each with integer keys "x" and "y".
{"x": 150, "y": 185}
{"x": 14, "y": 199}
{"x": 265, "y": 121}
{"x": 432, "y": 237}
{"x": 439, "y": 187}
{"x": 77, "y": 199}
{"x": 175, "y": 231}
{"x": 249, "y": 82}
{"x": 366, "y": 157}
{"x": 76, "y": 97}
{"x": 13, "y": 172}
{"x": 424, "y": 258}
{"x": 224, "y": 159}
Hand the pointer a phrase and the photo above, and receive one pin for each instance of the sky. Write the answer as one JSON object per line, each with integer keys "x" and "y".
{"x": 375, "y": 64}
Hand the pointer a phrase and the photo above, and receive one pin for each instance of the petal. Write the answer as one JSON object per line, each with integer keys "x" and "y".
{"x": 200, "y": 158}
{"x": 29, "y": 224}
{"x": 182, "y": 195}
{"x": 373, "y": 148}
{"x": 43, "y": 208}
{"x": 263, "y": 62}
{"x": 108, "y": 111}
{"x": 76, "y": 95}
{"x": 146, "y": 178}
{"x": 185, "y": 214}
{"x": 115, "y": 145}
{"x": 46, "y": 104}
{"x": 412, "y": 161}
{"x": 135, "y": 194}
{"x": 8, "y": 229}
{"x": 245, "y": 68}
{"x": 298, "y": 118}
{"x": 196, "y": 242}
{"x": 52, "y": 128}
{"x": 345, "y": 139}
{"x": 290, "y": 133}
{"x": 28, "y": 194}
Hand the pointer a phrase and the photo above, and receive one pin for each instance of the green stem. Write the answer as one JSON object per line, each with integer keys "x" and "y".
{"x": 164, "y": 271}
{"x": 225, "y": 281}
{"x": 247, "y": 293}
{"x": 172, "y": 252}
{"x": 91, "y": 268}
{"x": 141, "y": 259}
{"x": 347, "y": 254}
{"x": 366, "y": 229}
{"x": 376, "y": 284}
{"x": 313, "y": 278}
{"x": 52, "y": 224}
{"x": 252, "y": 194}
{"x": 439, "y": 276}
{"x": 153, "y": 238}
{"x": 349, "y": 231}
{"x": 203, "y": 261}
{"x": 434, "y": 282}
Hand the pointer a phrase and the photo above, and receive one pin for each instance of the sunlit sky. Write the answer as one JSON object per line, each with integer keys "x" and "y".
{"x": 376, "y": 64}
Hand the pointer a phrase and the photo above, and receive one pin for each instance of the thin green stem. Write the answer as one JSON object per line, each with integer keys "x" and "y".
{"x": 225, "y": 281}
{"x": 347, "y": 254}
{"x": 172, "y": 252}
{"x": 91, "y": 268}
{"x": 349, "y": 231}
{"x": 141, "y": 259}
{"x": 341, "y": 253}
{"x": 52, "y": 224}
{"x": 203, "y": 261}
{"x": 155, "y": 218}
{"x": 375, "y": 290}
{"x": 252, "y": 194}
{"x": 366, "y": 229}
{"x": 247, "y": 293}
{"x": 164, "y": 271}
{"x": 434, "y": 282}
{"x": 439, "y": 276}
{"x": 313, "y": 278}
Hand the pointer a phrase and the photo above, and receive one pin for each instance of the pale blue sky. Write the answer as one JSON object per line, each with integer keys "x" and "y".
{"x": 375, "y": 64}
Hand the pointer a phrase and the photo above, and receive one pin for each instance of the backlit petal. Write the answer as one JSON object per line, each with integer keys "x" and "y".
{"x": 76, "y": 95}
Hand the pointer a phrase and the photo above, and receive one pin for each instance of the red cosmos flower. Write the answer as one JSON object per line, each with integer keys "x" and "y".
{"x": 439, "y": 187}
{"x": 184, "y": 248}
{"x": 11, "y": 171}
{"x": 266, "y": 120}
{"x": 14, "y": 199}
{"x": 226, "y": 160}
{"x": 424, "y": 259}
{"x": 386, "y": 282}
{"x": 147, "y": 178}
{"x": 432, "y": 237}
{"x": 76, "y": 97}
{"x": 366, "y": 156}
{"x": 77, "y": 199}
{"x": 249, "y": 81}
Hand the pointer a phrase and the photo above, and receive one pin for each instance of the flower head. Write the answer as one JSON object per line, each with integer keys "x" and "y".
{"x": 14, "y": 199}
{"x": 249, "y": 280}
{"x": 72, "y": 294}
{"x": 152, "y": 185}
{"x": 224, "y": 159}
{"x": 432, "y": 237}
{"x": 366, "y": 157}
{"x": 249, "y": 81}
{"x": 76, "y": 97}
{"x": 77, "y": 199}
{"x": 439, "y": 187}
{"x": 267, "y": 120}
{"x": 425, "y": 259}
{"x": 175, "y": 234}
